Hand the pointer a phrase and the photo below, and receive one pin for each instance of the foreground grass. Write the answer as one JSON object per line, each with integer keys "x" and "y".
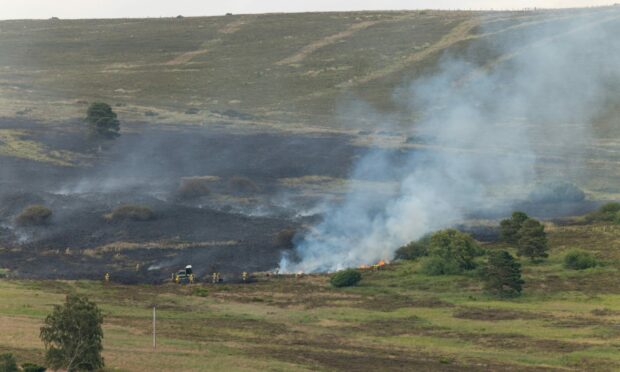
{"x": 396, "y": 319}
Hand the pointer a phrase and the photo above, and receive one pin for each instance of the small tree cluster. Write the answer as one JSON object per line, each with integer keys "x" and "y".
{"x": 527, "y": 234}
{"x": 451, "y": 252}
{"x": 609, "y": 212}
{"x": 103, "y": 121}
{"x": 73, "y": 336}
{"x": 414, "y": 250}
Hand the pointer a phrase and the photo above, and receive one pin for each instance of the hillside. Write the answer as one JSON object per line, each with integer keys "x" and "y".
{"x": 282, "y": 69}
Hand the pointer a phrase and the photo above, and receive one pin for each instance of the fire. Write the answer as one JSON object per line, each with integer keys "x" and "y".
{"x": 377, "y": 266}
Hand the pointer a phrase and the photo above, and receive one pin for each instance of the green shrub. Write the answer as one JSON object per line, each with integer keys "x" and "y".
{"x": 31, "y": 367}
{"x": 609, "y": 212}
{"x": 8, "y": 363}
{"x": 439, "y": 266}
{"x": 414, "y": 250}
{"x": 200, "y": 292}
{"x": 579, "y": 260}
{"x": 131, "y": 212}
{"x": 34, "y": 215}
{"x": 346, "y": 278}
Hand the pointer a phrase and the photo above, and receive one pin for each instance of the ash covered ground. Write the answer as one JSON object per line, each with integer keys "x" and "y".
{"x": 259, "y": 184}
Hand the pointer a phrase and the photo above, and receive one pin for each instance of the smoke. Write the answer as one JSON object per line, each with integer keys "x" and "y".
{"x": 488, "y": 128}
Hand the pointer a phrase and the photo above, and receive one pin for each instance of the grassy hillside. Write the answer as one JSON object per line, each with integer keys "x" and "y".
{"x": 396, "y": 319}
{"x": 278, "y": 68}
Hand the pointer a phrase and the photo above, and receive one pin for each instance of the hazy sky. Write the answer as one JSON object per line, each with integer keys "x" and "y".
{"x": 19, "y": 9}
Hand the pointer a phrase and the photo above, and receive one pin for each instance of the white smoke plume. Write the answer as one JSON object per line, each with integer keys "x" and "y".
{"x": 488, "y": 128}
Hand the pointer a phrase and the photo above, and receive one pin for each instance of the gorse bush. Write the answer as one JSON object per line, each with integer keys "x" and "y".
{"x": 439, "y": 266}
{"x": 414, "y": 250}
{"x": 31, "y": 367}
{"x": 130, "y": 212}
{"x": 579, "y": 260}
{"x": 609, "y": 212}
{"x": 346, "y": 278}
{"x": 34, "y": 215}
{"x": 8, "y": 363}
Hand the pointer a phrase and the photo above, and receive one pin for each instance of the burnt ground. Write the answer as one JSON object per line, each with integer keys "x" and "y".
{"x": 229, "y": 230}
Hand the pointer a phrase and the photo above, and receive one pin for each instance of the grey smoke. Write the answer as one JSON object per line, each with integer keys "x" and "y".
{"x": 490, "y": 128}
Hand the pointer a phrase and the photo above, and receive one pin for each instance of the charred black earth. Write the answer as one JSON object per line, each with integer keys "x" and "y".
{"x": 232, "y": 229}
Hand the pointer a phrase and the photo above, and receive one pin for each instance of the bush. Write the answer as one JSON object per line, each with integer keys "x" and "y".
{"x": 73, "y": 336}
{"x": 31, "y": 367}
{"x": 8, "y": 363}
{"x": 414, "y": 250}
{"x": 194, "y": 187}
{"x": 131, "y": 212}
{"x": 609, "y": 212}
{"x": 555, "y": 192}
{"x": 455, "y": 248}
{"x": 579, "y": 260}
{"x": 439, "y": 266}
{"x": 102, "y": 120}
{"x": 346, "y": 278}
{"x": 502, "y": 275}
{"x": 242, "y": 185}
{"x": 285, "y": 238}
{"x": 34, "y": 215}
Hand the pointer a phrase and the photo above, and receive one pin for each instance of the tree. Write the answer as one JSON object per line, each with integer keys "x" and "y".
{"x": 102, "y": 120}
{"x": 502, "y": 275}
{"x": 414, "y": 250}
{"x": 454, "y": 246}
{"x": 73, "y": 336}
{"x": 532, "y": 240}
{"x": 510, "y": 227}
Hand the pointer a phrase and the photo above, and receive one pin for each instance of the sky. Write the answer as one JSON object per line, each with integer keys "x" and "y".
{"x": 27, "y": 9}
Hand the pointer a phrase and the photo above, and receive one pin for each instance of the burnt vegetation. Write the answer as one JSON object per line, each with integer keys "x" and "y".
{"x": 34, "y": 215}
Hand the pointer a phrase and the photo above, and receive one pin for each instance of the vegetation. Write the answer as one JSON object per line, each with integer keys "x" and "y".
{"x": 34, "y": 215}
{"x": 510, "y": 227}
{"x": 556, "y": 192}
{"x": 131, "y": 212}
{"x": 32, "y": 367}
{"x": 346, "y": 278}
{"x": 103, "y": 120}
{"x": 457, "y": 250}
{"x": 242, "y": 185}
{"x": 414, "y": 250}
{"x": 502, "y": 274}
{"x": 195, "y": 187}
{"x": 8, "y": 363}
{"x": 579, "y": 260}
{"x": 73, "y": 336}
{"x": 532, "y": 240}
{"x": 609, "y": 212}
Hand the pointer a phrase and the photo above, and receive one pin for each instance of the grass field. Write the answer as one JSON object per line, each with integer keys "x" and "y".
{"x": 395, "y": 319}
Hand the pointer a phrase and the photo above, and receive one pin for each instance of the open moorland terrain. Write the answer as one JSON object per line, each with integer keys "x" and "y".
{"x": 238, "y": 129}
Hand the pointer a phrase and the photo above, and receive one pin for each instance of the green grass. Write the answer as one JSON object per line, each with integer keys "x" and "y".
{"x": 564, "y": 319}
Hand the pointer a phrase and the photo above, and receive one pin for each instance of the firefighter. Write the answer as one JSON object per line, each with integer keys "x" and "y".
{"x": 106, "y": 277}
{"x": 191, "y": 278}
{"x": 176, "y": 278}
{"x": 137, "y": 267}
{"x": 214, "y": 278}
{"x": 244, "y": 277}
